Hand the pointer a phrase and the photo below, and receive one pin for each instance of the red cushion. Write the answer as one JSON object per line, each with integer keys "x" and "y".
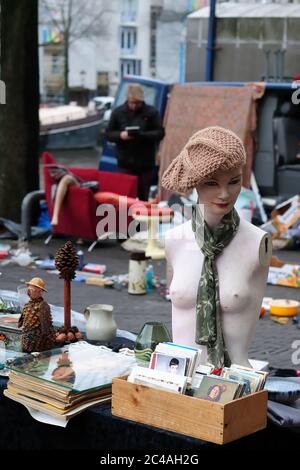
{"x": 152, "y": 211}
{"x": 105, "y": 197}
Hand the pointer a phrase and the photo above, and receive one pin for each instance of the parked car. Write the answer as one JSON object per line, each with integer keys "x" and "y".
{"x": 104, "y": 104}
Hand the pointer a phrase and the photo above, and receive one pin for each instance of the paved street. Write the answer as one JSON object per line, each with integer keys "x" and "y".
{"x": 273, "y": 342}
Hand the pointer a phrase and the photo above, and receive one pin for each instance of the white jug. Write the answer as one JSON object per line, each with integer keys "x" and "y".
{"x": 100, "y": 323}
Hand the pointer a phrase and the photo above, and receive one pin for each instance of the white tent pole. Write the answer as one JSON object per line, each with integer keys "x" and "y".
{"x": 255, "y": 189}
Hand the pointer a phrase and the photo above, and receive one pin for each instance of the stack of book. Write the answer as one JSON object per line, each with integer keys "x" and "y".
{"x": 63, "y": 382}
{"x": 53, "y": 399}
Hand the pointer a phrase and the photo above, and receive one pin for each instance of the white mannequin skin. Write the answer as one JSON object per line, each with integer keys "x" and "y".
{"x": 61, "y": 192}
{"x": 242, "y": 269}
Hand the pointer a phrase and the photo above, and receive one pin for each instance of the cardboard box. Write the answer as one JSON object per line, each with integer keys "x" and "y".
{"x": 214, "y": 422}
{"x": 284, "y": 216}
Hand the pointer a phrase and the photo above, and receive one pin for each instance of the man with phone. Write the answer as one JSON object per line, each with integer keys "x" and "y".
{"x": 136, "y": 128}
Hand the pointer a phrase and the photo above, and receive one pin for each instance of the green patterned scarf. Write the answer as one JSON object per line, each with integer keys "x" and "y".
{"x": 208, "y": 310}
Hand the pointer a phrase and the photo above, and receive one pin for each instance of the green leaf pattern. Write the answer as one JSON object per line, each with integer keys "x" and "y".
{"x": 208, "y": 311}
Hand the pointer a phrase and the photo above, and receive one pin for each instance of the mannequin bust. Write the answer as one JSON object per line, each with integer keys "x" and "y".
{"x": 242, "y": 268}
{"x": 242, "y": 284}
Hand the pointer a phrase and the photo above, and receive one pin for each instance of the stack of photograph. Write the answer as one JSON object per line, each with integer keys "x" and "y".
{"x": 235, "y": 382}
{"x": 63, "y": 382}
{"x": 172, "y": 367}
{"x": 177, "y": 368}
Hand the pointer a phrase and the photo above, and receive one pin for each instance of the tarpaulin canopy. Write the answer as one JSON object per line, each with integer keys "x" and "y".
{"x": 192, "y": 107}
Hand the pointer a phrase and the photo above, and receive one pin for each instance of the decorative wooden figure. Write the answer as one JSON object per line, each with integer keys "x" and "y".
{"x": 38, "y": 333}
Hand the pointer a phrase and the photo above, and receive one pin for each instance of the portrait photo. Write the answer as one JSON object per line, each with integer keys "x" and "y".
{"x": 175, "y": 365}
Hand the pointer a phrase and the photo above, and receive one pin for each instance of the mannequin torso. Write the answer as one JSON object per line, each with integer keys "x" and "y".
{"x": 242, "y": 269}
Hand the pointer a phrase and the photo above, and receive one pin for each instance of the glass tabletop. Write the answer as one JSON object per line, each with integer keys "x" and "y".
{"x": 78, "y": 367}
{"x": 7, "y": 355}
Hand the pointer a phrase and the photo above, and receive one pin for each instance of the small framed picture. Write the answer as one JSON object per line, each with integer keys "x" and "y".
{"x": 175, "y": 365}
{"x": 217, "y": 389}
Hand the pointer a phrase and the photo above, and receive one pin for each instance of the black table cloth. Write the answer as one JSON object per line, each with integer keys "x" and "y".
{"x": 96, "y": 429}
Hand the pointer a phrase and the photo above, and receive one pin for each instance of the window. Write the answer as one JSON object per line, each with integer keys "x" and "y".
{"x": 56, "y": 66}
{"x": 131, "y": 67}
{"x": 128, "y": 40}
{"x": 129, "y": 10}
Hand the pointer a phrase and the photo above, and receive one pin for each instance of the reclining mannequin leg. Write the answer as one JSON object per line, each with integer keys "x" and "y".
{"x": 60, "y": 195}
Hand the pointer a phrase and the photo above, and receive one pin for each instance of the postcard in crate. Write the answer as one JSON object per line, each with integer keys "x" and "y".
{"x": 157, "y": 379}
{"x": 201, "y": 371}
{"x": 177, "y": 350}
{"x": 261, "y": 373}
{"x": 169, "y": 363}
{"x": 253, "y": 380}
{"x": 216, "y": 389}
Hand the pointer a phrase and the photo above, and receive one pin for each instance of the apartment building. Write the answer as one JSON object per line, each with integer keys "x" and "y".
{"x": 125, "y": 46}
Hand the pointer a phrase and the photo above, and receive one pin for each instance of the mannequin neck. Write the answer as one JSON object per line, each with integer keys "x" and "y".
{"x": 212, "y": 220}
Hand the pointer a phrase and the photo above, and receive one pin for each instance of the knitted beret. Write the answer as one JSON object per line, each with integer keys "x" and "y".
{"x": 207, "y": 151}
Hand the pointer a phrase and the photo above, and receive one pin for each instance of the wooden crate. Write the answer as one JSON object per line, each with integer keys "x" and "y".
{"x": 214, "y": 422}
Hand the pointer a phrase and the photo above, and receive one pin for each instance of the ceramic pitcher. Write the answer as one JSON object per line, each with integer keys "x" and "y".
{"x": 100, "y": 323}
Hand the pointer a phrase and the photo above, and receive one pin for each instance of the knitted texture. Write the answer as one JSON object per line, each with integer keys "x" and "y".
{"x": 207, "y": 151}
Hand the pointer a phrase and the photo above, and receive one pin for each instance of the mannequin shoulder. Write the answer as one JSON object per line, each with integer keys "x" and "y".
{"x": 257, "y": 240}
{"x": 180, "y": 233}
{"x": 179, "y": 238}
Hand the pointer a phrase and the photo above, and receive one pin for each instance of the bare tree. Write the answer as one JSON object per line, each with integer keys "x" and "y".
{"x": 19, "y": 120}
{"x": 75, "y": 20}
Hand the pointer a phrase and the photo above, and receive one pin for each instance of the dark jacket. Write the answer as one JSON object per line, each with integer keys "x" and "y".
{"x": 137, "y": 155}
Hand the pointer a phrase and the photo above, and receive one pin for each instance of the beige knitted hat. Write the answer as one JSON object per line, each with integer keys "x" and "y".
{"x": 135, "y": 90}
{"x": 207, "y": 151}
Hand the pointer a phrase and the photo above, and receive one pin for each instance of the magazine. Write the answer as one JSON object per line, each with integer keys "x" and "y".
{"x": 63, "y": 382}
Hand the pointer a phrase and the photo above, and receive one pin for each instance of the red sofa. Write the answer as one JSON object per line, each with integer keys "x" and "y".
{"x": 78, "y": 213}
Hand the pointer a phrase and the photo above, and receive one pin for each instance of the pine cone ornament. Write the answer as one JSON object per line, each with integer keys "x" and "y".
{"x": 66, "y": 261}
{"x": 31, "y": 315}
{"x": 37, "y": 332}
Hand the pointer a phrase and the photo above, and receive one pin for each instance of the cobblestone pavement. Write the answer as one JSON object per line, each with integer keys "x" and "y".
{"x": 273, "y": 342}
